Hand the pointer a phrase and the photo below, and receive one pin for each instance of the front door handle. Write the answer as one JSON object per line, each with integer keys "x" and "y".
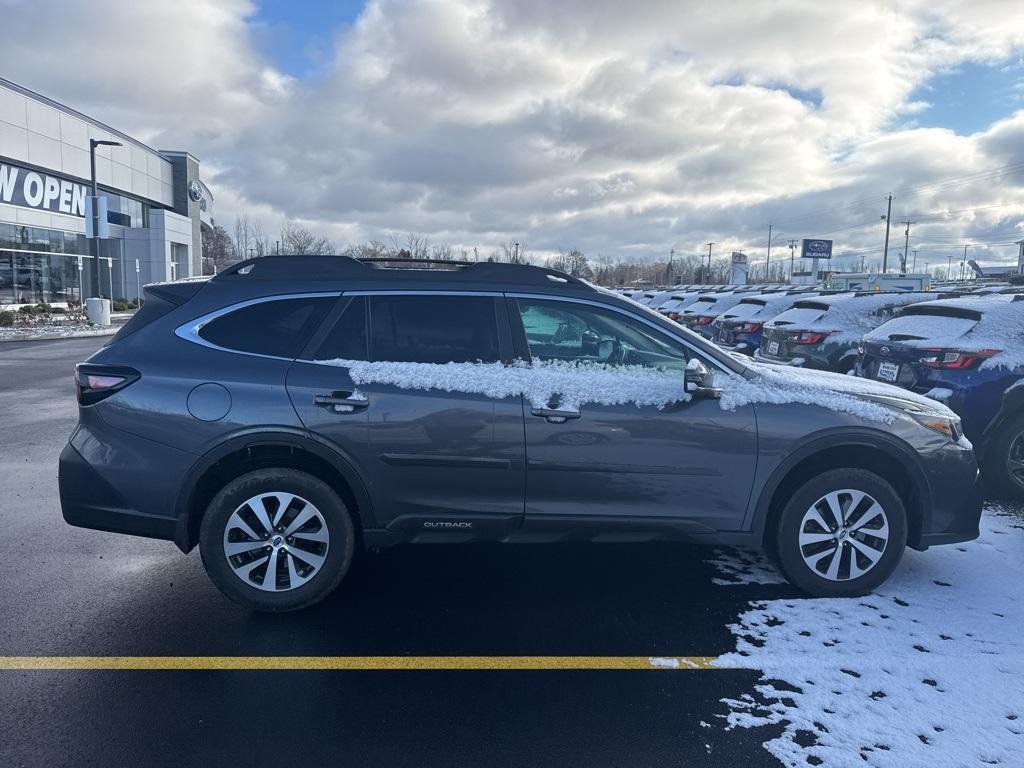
{"x": 341, "y": 402}
{"x": 555, "y": 415}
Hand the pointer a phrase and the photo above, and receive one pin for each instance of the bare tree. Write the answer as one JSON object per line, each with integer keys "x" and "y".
{"x": 572, "y": 261}
{"x": 513, "y": 252}
{"x": 296, "y": 240}
{"x": 443, "y": 252}
{"x": 412, "y": 246}
{"x": 218, "y": 250}
{"x": 374, "y": 249}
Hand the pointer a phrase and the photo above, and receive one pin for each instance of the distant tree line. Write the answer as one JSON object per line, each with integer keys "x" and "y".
{"x": 249, "y": 239}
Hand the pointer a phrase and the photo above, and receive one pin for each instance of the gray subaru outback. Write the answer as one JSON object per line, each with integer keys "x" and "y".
{"x": 293, "y": 410}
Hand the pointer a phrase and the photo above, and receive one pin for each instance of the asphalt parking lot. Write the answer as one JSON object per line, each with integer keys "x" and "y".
{"x": 76, "y": 593}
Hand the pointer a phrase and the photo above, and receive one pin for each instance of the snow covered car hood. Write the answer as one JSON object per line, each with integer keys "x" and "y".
{"x": 868, "y": 399}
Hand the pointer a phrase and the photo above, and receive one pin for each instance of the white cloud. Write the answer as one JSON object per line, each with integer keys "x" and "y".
{"x": 617, "y": 128}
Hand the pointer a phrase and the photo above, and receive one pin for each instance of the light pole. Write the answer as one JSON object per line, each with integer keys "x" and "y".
{"x": 95, "y": 246}
{"x": 906, "y": 247}
{"x": 792, "y": 259}
{"x": 768, "y": 257}
{"x": 885, "y": 253}
{"x": 707, "y": 275}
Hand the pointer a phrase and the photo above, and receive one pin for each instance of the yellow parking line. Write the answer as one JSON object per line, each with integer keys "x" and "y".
{"x": 450, "y": 663}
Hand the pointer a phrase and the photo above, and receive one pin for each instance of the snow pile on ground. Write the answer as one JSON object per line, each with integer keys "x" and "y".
{"x": 845, "y": 316}
{"x": 572, "y": 384}
{"x": 1001, "y": 327}
{"x": 926, "y": 671}
{"x": 738, "y": 567}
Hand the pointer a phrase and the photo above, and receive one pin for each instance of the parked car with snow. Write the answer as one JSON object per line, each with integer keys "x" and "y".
{"x": 739, "y": 329}
{"x": 823, "y": 332}
{"x": 291, "y": 409}
{"x": 699, "y": 315}
{"x": 676, "y": 303}
{"x": 969, "y": 353}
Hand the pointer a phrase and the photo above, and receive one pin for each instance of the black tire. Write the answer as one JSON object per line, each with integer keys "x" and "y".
{"x": 996, "y": 466}
{"x": 787, "y": 547}
{"x": 335, "y": 514}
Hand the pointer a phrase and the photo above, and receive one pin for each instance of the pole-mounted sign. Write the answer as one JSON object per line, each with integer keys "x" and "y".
{"x": 815, "y": 249}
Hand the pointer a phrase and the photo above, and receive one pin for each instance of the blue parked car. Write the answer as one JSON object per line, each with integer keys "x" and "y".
{"x": 739, "y": 329}
{"x": 969, "y": 354}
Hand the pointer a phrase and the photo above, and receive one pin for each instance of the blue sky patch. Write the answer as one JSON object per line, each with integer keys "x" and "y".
{"x": 298, "y": 35}
{"x": 971, "y": 97}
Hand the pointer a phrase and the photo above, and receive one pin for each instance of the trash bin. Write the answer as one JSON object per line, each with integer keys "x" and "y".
{"x": 97, "y": 311}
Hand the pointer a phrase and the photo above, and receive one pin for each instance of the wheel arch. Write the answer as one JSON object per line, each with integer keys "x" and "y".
{"x": 255, "y": 450}
{"x": 883, "y": 455}
{"x": 1011, "y": 407}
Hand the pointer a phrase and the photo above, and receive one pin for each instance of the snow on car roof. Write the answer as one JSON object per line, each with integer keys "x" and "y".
{"x": 993, "y": 322}
{"x": 713, "y": 304}
{"x": 846, "y": 316}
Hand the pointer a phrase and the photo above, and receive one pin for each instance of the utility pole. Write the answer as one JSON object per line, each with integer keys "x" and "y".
{"x": 949, "y": 267}
{"x": 707, "y": 275}
{"x": 963, "y": 264}
{"x": 914, "y": 268}
{"x": 906, "y": 247}
{"x": 668, "y": 270}
{"x": 885, "y": 253}
{"x": 768, "y": 257}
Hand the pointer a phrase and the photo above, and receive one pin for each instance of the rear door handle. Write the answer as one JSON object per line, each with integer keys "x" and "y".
{"x": 555, "y": 415}
{"x": 341, "y": 402}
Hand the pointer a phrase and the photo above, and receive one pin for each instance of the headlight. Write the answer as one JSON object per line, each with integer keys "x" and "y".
{"x": 947, "y": 423}
{"x": 950, "y": 427}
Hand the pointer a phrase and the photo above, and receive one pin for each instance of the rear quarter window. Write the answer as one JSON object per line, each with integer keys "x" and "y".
{"x": 275, "y": 327}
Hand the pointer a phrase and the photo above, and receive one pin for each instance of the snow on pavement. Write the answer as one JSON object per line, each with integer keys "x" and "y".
{"x": 926, "y": 671}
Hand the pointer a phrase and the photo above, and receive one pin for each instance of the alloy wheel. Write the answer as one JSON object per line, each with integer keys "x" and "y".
{"x": 276, "y": 541}
{"x": 1015, "y": 460}
{"x": 843, "y": 535}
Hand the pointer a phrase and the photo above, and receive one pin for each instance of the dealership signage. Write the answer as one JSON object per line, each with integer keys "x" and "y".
{"x": 816, "y": 249}
{"x": 32, "y": 189}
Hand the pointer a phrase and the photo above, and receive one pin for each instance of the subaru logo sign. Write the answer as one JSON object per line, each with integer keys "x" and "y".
{"x": 816, "y": 249}
{"x": 885, "y": 350}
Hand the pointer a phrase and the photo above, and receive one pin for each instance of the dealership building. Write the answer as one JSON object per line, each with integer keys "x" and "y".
{"x": 153, "y": 204}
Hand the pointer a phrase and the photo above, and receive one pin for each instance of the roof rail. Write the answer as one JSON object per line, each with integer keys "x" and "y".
{"x": 333, "y": 267}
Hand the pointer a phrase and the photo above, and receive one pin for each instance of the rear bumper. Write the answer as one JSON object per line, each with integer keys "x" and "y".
{"x": 89, "y": 501}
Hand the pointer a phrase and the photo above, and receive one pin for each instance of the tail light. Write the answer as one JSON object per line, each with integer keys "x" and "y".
{"x": 956, "y": 359}
{"x": 703, "y": 320}
{"x": 98, "y": 382}
{"x": 750, "y": 327}
{"x": 673, "y": 316}
{"x": 810, "y": 337}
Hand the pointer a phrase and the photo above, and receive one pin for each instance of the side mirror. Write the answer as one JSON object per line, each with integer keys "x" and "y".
{"x": 699, "y": 381}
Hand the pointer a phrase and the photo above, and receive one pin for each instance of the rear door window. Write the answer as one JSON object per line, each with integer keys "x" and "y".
{"x": 276, "y": 327}
{"x": 433, "y": 329}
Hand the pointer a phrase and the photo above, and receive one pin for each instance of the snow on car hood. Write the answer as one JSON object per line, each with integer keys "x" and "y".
{"x": 576, "y": 383}
{"x": 970, "y": 324}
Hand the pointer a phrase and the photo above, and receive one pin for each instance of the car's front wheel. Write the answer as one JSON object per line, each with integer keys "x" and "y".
{"x": 276, "y": 539}
{"x": 841, "y": 533}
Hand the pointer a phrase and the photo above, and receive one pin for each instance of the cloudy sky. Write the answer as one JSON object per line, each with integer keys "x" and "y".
{"x": 622, "y": 129}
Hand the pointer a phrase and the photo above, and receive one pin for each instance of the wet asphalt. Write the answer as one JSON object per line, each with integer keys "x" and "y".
{"x": 72, "y": 592}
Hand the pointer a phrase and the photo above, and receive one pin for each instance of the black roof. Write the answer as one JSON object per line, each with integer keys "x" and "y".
{"x": 312, "y": 268}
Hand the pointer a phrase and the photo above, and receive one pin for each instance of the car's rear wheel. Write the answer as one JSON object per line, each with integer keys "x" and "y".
{"x": 276, "y": 539}
{"x": 841, "y": 533}
{"x": 1003, "y": 467}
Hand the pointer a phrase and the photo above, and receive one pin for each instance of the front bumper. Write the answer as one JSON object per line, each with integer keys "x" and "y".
{"x": 957, "y": 497}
